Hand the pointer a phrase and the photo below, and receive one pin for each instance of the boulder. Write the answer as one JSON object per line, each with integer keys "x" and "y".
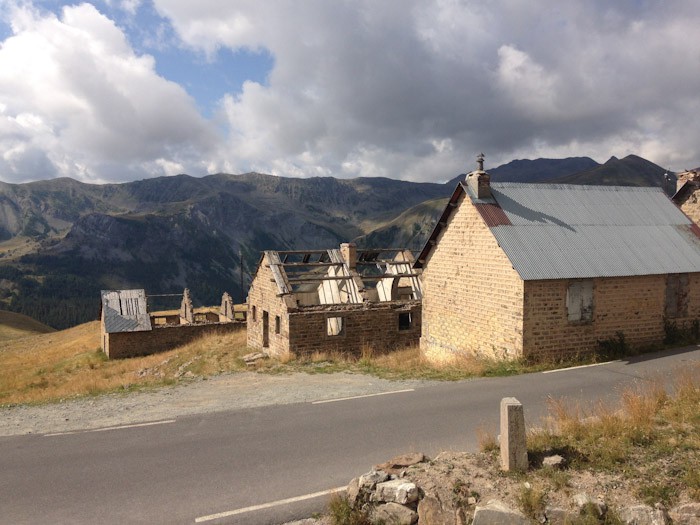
{"x": 688, "y": 514}
{"x": 555, "y": 461}
{"x": 399, "y": 463}
{"x": 353, "y": 491}
{"x": 431, "y": 512}
{"x": 395, "y": 514}
{"x": 369, "y": 480}
{"x": 558, "y": 516}
{"x": 643, "y": 515}
{"x": 397, "y": 491}
{"x": 496, "y": 513}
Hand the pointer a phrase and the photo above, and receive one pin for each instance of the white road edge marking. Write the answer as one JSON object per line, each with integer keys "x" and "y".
{"x": 118, "y": 427}
{"x": 361, "y": 397}
{"x": 263, "y": 506}
{"x": 581, "y": 366}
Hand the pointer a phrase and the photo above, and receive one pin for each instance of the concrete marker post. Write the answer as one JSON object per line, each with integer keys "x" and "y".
{"x": 513, "y": 443}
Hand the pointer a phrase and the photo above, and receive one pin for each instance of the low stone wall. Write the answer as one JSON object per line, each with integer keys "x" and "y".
{"x": 161, "y": 339}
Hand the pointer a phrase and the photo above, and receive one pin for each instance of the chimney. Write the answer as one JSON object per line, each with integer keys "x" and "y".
{"x": 478, "y": 181}
{"x": 349, "y": 252}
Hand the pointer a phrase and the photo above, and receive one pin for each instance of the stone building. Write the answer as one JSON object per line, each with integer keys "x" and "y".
{"x": 347, "y": 300}
{"x": 129, "y": 330}
{"x": 547, "y": 270}
{"x": 686, "y": 197}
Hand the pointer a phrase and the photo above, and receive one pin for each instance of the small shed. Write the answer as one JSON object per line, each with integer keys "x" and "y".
{"x": 123, "y": 311}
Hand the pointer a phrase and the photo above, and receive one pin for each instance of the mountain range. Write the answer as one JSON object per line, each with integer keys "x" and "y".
{"x": 63, "y": 240}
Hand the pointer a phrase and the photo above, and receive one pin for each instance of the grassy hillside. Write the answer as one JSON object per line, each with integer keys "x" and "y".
{"x": 70, "y": 363}
{"x": 15, "y": 326}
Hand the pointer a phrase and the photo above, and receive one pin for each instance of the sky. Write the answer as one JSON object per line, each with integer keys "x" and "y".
{"x": 121, "y": 90}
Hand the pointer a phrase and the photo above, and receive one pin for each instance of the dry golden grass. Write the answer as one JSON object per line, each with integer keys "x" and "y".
{"x": 70, "y": 363}
{"x": 404, "y": 363}
{"x": 652, "y": 436}
{"x": 14, "y": 326}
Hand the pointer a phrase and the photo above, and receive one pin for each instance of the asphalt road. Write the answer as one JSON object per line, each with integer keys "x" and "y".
{"x": 193, "y": 468}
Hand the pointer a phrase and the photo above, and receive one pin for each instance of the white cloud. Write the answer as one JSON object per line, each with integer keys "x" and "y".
{"x": 74, "y": 91}
{"x": 401, "y": 88}
{"x": 368, "y": 88}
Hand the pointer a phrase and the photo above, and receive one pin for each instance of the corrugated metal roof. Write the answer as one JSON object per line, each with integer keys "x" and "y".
{"x": 492, "y": 214}
{"x": 125, "y": 311}
{"x": 564, "y": 231}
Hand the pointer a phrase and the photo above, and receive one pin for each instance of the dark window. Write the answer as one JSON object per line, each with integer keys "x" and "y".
{"x": 278, "y": 322}
{"x": 254, "y": 313}
{"x": 405, "y": 321}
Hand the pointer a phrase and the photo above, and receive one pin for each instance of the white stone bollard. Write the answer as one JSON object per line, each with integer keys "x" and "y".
{"x": 512, "y": 442}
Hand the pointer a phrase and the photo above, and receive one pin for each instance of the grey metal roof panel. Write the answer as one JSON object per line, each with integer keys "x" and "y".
{"x": 563, "y": 231}
{"x": 569, "y": 205}
{"x": 125, "y": 311}
{"x": 552, "y": 252}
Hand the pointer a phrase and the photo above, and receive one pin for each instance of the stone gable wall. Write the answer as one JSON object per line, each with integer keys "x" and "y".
{"x": 691, "y": 207}
{"x": 634, "y": 306}
{"x": 262, "y": 297}
{"x": 472, "y": 296}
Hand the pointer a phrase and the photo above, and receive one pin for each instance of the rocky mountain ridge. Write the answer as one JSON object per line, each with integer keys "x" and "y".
{"x": 63, "y": 240}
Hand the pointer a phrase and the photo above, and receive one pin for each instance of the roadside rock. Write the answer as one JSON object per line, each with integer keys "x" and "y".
{"x": 643, "y": 515}
{"x": 395, "y": 514}
{"x": 558, "y": 516}
{"x": 688, "y": 514}
{"x": 555, "y": 461}
{"x": 397, "y": 491}
{"x": 396, "y": 465}
{"x": 496, "y": 513}
{"x": 431, "y": 512}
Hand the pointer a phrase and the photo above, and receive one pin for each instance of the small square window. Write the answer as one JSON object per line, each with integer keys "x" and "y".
{"x": 335, "y": 326}
{"x": 278, "y": 323}
{"x": 405, "y": 321}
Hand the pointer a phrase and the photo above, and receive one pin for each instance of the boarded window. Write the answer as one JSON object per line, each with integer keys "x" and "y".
{"x": 334, "y": 326}
{"x": 579, "y": 301}
{"x": 677, "y": 295}
{"x": 278, "y": 323}
{"x": 405, "y": 321}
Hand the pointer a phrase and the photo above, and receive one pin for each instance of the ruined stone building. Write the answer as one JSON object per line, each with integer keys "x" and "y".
{"x": 345, "y": 300}
{"x": 686, "y": 196}
{"x": 129, "y": 330}
{"x": 534, "y": 270}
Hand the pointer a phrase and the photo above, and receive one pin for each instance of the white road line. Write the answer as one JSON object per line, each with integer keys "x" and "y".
{"x": 361, "y": 397}
{"x": 580, "y": 366}
{"x": 118, "y": 427}
{"x": 287, "y": 501}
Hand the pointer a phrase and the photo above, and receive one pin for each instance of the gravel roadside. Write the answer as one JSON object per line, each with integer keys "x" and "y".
{"x": 216, "y": 394}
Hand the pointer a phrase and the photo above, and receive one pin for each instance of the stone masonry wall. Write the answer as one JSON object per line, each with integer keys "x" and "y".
{"x": 161, "y": 339}
{"x": 365, "y": 326}
{"x": 472, "y": 296}
{"x": 634, "y": 306}
{"x": 262, "y": 297}
{"x": 691, "y": 207}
